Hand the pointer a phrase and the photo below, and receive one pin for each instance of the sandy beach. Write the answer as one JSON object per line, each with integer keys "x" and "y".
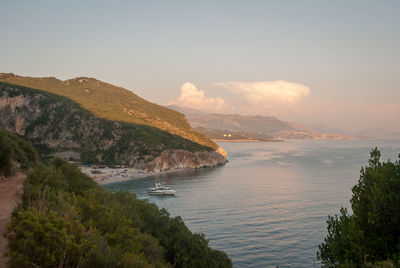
{"x": 111, "y": 175}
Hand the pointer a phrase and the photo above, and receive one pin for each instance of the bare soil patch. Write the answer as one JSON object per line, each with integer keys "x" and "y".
{"x": 10, "y": 191}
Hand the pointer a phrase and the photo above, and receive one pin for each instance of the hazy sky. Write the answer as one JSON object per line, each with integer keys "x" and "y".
{"x": 336, "y": 62}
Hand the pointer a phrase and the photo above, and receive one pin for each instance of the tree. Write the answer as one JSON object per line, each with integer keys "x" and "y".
{"x": 15, "y": 154}
{"x": 372, "y": 233}
{"x": 6, "y": 157}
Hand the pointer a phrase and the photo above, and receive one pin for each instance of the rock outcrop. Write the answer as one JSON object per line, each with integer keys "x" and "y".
{"x": 174, "y": 159}
{"x": 57, "y": 124}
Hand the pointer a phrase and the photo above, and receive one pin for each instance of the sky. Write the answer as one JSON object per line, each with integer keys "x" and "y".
{"x": 335, "y": 62}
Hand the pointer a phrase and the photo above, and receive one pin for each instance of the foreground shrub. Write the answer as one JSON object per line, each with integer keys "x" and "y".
{"x": 66, "y": 220}
{"x": 369, "y": 237}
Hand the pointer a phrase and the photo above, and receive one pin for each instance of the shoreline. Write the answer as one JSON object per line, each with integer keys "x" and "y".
{"x": 103, "y": 176}
{"x": 221, "y": 140}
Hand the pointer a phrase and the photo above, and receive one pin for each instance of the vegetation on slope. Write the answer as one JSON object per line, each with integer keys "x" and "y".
{"x": 371, "y": 236}
{"x": 61, "y": 122}
{"x": 114, "y": 103}
{"x": 66, "y": 220}
{"x": 15, "y": 154}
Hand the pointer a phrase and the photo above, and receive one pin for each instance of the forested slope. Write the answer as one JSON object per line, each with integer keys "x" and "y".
{"x": 67, "y": 220}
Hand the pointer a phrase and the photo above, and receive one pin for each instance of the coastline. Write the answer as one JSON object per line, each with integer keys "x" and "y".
{"x": 103, "y": 176}
{"x": 244, "y": 140}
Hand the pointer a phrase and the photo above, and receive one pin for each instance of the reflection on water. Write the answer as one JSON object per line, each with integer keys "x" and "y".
{"x": 268, "y": 206}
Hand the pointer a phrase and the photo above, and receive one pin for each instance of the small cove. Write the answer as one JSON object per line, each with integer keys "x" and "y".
{"x": 269, "y": 204}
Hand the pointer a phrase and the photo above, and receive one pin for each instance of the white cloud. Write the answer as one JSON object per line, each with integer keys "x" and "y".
{"x": 268, "y": 93}
{"x": 194, "y": 98}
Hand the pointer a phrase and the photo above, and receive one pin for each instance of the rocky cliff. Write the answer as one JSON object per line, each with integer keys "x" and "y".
{"x": 173, "y": 159}
{"x": 58, "y": 125}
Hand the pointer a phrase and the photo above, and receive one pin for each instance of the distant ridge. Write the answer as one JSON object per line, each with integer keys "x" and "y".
{"x": 257, "y": 127}
{"x": 239, "y": 123}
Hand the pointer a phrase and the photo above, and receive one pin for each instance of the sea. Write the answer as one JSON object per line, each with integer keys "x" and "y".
{"x": 268, "y": 206}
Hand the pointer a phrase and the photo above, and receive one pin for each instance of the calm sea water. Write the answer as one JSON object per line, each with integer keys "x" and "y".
{"x": 268, "y": 206}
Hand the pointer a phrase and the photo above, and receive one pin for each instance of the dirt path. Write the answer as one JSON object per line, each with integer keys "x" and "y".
{"x": 9, "y": 197}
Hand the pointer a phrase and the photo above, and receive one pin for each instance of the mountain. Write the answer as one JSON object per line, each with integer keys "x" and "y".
{"x": 238, "y": 123}
{"x": 224, "y": 135}
{"x": 300, "y": 126}
{"x": 114, "y": 103}
{"x": 232, "y": 122}
{"x": 248, "y": 127}
{"x": 319, "y": 127}
{"x": 57, "y": 124}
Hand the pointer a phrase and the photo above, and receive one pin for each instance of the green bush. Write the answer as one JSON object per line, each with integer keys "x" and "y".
{"x": 46, "y": 240}
{"x": 371, "y": 235}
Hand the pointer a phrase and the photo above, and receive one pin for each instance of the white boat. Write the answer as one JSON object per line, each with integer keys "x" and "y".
{"x": 155, "y": 191}
{"x": 169, "y": 192}
{"x": 161, "y": 189}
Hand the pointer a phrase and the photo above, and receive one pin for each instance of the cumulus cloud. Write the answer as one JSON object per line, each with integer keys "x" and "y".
{"x": 194, "y": 98}
{"x": 268, "y": 93}
{"x": 279, "y": 98}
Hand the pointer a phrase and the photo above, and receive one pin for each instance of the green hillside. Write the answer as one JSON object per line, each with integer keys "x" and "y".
{"x": 57, "y": 124}
{"x": 114, "y": 103}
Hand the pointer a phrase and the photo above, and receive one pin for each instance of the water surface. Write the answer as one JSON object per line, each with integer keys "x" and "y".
{"x": 268, "y": 206}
